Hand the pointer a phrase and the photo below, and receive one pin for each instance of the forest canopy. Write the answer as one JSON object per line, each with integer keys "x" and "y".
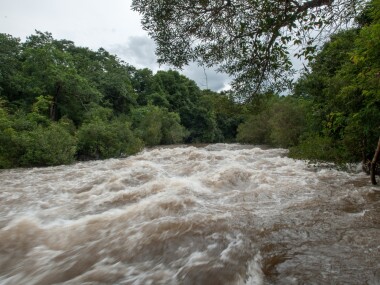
{"x": 60, "y": 102}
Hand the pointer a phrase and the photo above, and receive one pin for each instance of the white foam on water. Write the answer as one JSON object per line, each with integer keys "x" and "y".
{"x": 222, "y": 214}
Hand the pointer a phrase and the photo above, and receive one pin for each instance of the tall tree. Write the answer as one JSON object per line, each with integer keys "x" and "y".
{"x": 344, "y": 87}
{"x": 10, "y": 49}
{"x": 48, "y": 70}
{"x": 107, "y": 73}
{"x": 248, "y": 39}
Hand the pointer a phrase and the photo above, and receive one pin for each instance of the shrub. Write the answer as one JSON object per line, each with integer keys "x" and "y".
{"x": 287, "y": 122}
{"x": 172, "y": 130}
{"x": 156, "y": 125}
{"x": 45, "y": 146}
{"x": 280, "y": 123}
{"x": 255, "y": 130}
{"x": 318, "y": 148}
{"x": 100, "y": 139}
{"x": 148, "y": 123}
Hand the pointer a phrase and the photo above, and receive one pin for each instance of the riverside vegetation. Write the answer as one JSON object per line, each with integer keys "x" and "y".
{"x": 60, "y": 102}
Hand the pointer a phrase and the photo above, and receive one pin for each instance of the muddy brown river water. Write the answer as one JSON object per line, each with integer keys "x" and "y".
{"x": 220, "y": 214}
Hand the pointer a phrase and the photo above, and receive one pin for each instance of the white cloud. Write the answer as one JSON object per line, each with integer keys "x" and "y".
{"x": 93, "y": 23}
{"x": 207, "y": 78}
{"x": 137, "y": 51}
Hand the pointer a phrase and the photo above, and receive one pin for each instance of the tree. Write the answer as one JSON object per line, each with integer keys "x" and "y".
{"x": 10, "y": 49}
{"x": 107, "y": 73}
{"x": 45, "y": 146}
{"x": 48, "y": 70}
{"x": 103, "y": 136}
{"x": 343, "y": 86}
{"x": 147, "y": 122}
{"x": 156, "y": 125}
{"x": 366, "y": 63}
{"x": 248, "y": 39}
{"x": 280, "y": 122}
{"x": 228, "y": 113}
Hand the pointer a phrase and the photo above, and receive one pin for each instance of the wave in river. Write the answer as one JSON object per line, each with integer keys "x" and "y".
{"x": 221, "y": 214}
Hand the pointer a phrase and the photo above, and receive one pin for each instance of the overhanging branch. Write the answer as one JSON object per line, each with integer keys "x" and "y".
{"x": 314, "y": 4}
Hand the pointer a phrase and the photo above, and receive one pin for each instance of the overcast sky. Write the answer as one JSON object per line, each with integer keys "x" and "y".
{"x": 95, "y": 23}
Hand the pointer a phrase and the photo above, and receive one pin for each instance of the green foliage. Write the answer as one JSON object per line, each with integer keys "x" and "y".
{"x": 32, "y": 140}
{"x": 114, "y": 83}
{"x": 46, "y": 146}
{"x": 60, "y": 102}
{"x": 178, "y": 94}
{"x": 250, "y": 40}
{"x": 8, "y": 139}
{"x": 255, "y": 130}
{"x": 228, "y": 114}
{"x": 201, "y": 123}
{"x": 24, "y": 142}
{"x": 40, "y": 110}
{"x": 10, "y": 50}
{"x": 99, "y": 139}
{"x": 280, "y": 122}
{"x": 172, "y": 130}
{"x": 155, "y": 125}
{"x": 47, "y": 69}
{"x": 318, "y": 149}
{"x": 148, "y": 124}
{"x": 344, "y": 87}
{"x": 158, "y": 99}
{"x": 98, "y": 113}
{"x": 287, "y": 122}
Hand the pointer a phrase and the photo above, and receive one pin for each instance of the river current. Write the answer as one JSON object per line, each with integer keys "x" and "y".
{"x": 220, "y": 214}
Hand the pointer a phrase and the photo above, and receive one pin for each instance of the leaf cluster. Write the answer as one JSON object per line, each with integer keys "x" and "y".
{"x": 251, "y": 40}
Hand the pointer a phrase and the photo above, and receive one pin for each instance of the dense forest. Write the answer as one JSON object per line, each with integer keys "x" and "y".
{"x": 60, "y": 103}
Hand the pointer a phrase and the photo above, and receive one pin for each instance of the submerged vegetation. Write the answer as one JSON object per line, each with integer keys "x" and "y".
{"x": 60, "y": 102}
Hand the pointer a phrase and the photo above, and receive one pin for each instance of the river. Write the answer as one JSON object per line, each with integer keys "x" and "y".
{"x": 219, "y": 214}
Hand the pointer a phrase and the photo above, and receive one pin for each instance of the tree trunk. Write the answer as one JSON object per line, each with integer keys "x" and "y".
{"x": 374, "y": 162}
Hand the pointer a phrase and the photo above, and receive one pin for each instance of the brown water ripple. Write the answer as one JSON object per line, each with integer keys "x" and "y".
{"x": 217, "y": 214}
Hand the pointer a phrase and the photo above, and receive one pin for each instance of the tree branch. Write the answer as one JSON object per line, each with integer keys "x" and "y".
{"x": 314, "y": 4}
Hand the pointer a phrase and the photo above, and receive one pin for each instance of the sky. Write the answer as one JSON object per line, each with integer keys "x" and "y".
{"x": 109, "y": 24}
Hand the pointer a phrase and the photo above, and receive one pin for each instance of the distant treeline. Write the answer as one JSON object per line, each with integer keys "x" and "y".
{"x": 60, "y": 102}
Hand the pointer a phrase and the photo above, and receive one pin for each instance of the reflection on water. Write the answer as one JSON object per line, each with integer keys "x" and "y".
{"x": 220, "y": 214}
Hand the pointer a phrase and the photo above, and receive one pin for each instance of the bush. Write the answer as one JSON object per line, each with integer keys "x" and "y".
{"x": 318, "y": 148}
{"x": 255, "y": 130}
{"x": 46, "y": 146}
{"x": 10, "y": 148}
{"x": 155, "y": 125}
{"x": 99, "y": 139}
{"x": 172, "y": 130}
{"x": 287, "y": 122}
{"x": 148, "y": 123}
{"x": 280, "y": 123}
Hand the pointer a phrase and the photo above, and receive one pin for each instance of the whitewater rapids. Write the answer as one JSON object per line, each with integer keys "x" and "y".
{"x": 220, "y": 214}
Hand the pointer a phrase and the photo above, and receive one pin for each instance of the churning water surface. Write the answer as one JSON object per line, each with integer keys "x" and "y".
{"x": 221, "y": 214}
